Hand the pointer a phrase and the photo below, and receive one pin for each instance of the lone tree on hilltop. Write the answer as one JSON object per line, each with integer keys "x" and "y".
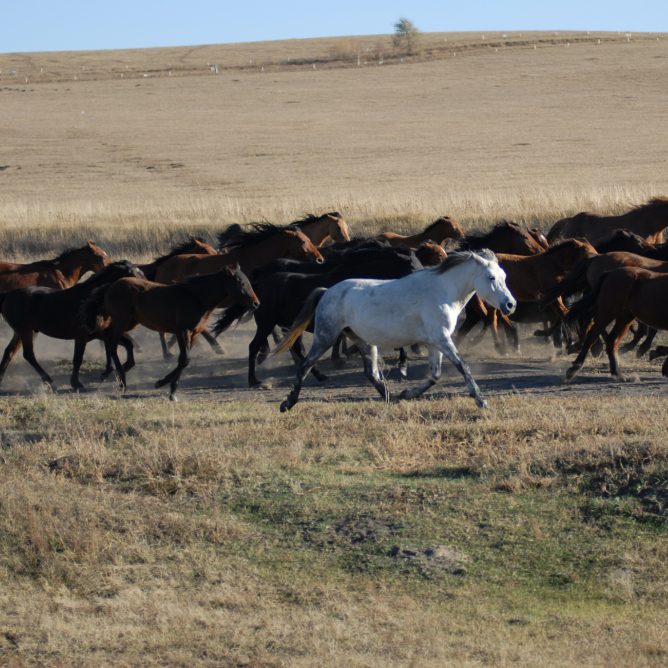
{"x": 406, "y": 35}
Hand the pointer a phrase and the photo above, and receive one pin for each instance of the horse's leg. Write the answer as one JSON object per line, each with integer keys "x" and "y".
{"x": 371, "y": 371}
{"x": 641, "y": 331}
{"x": 165, "y": 349}
{"x": 617, "y": 333}
{"x": 129, "y": 344}
{"x": 322, "y": 342}
{"x": 593, "y": 334}
{"x": 79, "y": 349}
{"x": 29, "y": 356}
{"x": 336, "y": 351}
{"x": 111, "y": 341}
{"x": 215, "y": 346}
{"x": 435, "y": 359}
{"x": 259, "y": 340}
{"x": 135, "y": 345}
{"x": 445, "y": 344}
{"x": 10, "y": 352}
{"x": 183, "y": 338}
{"x": 470, "y": 321}
{"x": 403, "y": 362}
{"x": 647, "y": 343}
{"x": 298, "y": 353}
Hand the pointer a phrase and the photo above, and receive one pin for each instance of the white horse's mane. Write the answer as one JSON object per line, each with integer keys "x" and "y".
{"x": 458, "y": 257}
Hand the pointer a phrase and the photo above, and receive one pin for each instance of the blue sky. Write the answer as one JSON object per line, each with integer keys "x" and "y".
{"x": 41, "y": 25}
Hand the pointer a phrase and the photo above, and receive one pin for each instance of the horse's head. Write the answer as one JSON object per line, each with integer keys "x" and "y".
{"x": 338, "y": 228}
{"x": 200, "y": 247}
{"x": 240, "y": 289}
{"x": 450, "y": 229}
{"x": 539, "y": 237}
{"x": 95, "y": 258}
{"x": 490, "y": 283}
{"x": 300, "y": 247}
{"x": 430, "y": 254}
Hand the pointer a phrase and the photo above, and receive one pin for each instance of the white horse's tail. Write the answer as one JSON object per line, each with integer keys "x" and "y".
{"x": 302, "y": 321}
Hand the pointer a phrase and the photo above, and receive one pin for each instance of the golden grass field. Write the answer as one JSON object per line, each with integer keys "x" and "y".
{"x": 218, "y": 532}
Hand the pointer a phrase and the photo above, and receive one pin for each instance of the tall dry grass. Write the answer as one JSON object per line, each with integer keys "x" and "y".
{"x": 139, "y": 229}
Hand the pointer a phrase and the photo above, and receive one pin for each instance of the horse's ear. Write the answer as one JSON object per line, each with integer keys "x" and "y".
{"x": 90, "y": 242}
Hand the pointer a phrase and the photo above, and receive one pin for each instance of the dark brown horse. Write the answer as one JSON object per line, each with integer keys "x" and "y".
{"x": 647, "y": 220}
{"x": 61, "y": 272}
{"x": 250, "y": 249}
{"x": 621, "y": 295}
{"x": 182, "y": 309}
{"x": 55, "y": 313}
{"x": 440, "y": 230}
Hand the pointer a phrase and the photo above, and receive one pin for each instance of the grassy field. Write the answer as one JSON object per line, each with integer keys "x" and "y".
{"x": 218, "y": 532}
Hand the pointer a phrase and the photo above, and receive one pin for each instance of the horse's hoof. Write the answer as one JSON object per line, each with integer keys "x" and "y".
{"x": 285, "y": 406}
{"x": 174, "y": 398}
{"x": 322, "y": 378}
{"x": 338, "y": 362}
{"x": 158, "y": 384}
{"x": 220, "y": 351}
{"x": 254, "y": 384}
{"x": 167, "y": 356}
{"x": 403, "y": 372}
{"x": 482, "y": 403}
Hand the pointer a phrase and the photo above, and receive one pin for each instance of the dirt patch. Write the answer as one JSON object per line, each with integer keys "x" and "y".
{"x": 437, "y": 558}
{"x": 362, "y": 530}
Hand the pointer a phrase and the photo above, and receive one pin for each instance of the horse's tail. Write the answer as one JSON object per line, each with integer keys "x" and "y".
{"x": 302, "y": 321}
{"x": 556, "y": 230}
{"x": 92, "y": 313}
{"x": 587, "y": 305}
{"x": 574, "y": 281}
{"x": 227, "y": 317}
{"x": 2, "y": 299}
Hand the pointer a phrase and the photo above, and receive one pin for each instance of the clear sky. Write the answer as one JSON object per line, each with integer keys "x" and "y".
{"x": 51, "y": 25}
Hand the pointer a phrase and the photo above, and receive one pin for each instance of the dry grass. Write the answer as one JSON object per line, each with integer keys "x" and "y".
{"x": 227, "y": 534}
{"x": 521, "y": 134}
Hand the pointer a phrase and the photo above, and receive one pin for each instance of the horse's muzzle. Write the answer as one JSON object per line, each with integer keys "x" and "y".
{"x": 508, "y": 308}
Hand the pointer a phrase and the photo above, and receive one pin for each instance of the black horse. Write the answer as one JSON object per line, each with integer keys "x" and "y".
{"x": 283, "y": 294}
{"x": 55, "y": 313}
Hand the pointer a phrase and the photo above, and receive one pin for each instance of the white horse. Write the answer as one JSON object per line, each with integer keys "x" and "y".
{"x": 422, "y": 307}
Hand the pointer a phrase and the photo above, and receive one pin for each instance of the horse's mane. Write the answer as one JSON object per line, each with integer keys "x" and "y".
{"x": 653, "y": 203}
{"x": 258, "y": 232}
{"x": 57, "y": 260}
{"x": 180, "y": 249}
{"x": 228, "y": 234}
{"x": 311, "y": 218}
{"x": 102, "y": 277}
{"x": 555, "y": 248}
{"x": 459, "y": 257}
{"x": 483, "y": 239}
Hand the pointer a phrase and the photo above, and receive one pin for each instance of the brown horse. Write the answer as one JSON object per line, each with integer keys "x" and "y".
{"x": 193, "y": 245}
{"x": 430, "y": 254}
{"x": 55, "y": 313}
{"x": 320, "y": 228}
{"x": 440, "y": 230}
{"x": 621, "y": 295}
{"x": 182, "y": 309}
{"x": 504, "y": 237}
{"x": 529, "y": 277}
{"x": 61, "y": 272}
{"x": 250, "y": 249}
{"x": 586, "y": 273}
{"x": 647, "y": 220}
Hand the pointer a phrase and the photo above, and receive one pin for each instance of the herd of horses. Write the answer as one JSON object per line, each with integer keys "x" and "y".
{"x": 356, "y": 295}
